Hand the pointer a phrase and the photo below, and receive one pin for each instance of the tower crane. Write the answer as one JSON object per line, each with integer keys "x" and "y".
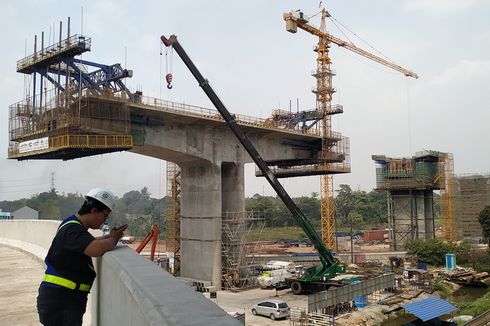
{"x": 324, "y": 92}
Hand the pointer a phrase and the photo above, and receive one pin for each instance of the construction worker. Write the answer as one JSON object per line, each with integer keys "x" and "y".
{"x": 69, "y": 275}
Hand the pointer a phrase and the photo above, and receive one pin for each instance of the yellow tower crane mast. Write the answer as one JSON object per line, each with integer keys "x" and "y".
{"x": 324, "y": 92}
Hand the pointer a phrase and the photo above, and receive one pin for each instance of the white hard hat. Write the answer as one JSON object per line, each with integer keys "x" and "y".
{"x": 105, "y": 196}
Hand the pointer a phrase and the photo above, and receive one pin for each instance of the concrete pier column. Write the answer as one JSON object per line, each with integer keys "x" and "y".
{"x": 234, "y": 223}
{"x": 412, "y": 216}
{"x": 201, "y": 205}
{"x": 233, "y": 188}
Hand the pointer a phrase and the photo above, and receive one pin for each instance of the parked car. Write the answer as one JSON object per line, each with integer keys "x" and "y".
{"x": 271, "y": 308}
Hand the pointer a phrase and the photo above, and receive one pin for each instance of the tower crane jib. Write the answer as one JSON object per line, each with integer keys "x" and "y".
{"x": 297, "y": 19}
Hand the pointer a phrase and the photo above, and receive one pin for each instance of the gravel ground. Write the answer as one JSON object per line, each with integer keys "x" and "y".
{"x": 244, "y": 300}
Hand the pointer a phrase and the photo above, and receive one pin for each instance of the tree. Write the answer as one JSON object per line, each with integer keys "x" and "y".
{"x": 145, "y": 193}
{"x": 484, "y": 219}
{"x": 344, "y": 203}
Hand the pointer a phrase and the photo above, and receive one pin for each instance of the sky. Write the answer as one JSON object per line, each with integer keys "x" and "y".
{"x": 256, "y": 66}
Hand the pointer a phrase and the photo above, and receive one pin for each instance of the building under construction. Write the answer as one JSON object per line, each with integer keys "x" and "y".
{"x": 472, "y": 194}
{"x": 410, "y": 184}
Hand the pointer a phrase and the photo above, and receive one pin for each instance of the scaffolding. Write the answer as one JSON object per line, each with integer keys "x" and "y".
{"x": 239, "y": 266}
{"x": 409, "y": 184}
{"x": 472, "y": 194}
{"x": 75, "y": 108}
{"x": 446, "y": 181}
{"x": 172, "y": 234}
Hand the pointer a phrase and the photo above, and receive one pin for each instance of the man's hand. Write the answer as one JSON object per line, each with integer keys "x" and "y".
{"x": 103, "y": 244}
{"x": 118, "y": 232}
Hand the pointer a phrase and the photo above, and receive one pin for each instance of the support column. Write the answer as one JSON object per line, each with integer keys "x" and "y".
{"x": 234, "y": 224}
{"x": 233, "y": 187}
{"x": 201, "y": 205}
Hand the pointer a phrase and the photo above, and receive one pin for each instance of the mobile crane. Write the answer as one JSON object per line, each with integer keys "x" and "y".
{"x": 313, "y": 278}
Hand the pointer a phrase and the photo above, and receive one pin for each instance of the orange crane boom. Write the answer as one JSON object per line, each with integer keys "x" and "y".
{"x": 296, "y": 19}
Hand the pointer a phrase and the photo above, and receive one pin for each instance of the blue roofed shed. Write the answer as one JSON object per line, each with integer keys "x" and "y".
{"x": 430, "y": 308}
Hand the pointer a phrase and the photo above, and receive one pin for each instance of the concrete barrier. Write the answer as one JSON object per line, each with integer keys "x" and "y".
{"x": 129, "y": 289}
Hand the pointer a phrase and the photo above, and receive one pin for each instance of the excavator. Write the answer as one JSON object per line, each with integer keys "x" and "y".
{"x": 312, "y": 279}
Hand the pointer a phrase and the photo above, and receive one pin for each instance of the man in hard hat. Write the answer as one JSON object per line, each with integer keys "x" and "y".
{"x": 69, "y": 275}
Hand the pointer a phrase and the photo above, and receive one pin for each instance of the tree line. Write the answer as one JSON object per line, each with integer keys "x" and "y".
{"x": 139, "y": 210}
{"x": 358, "y": 207}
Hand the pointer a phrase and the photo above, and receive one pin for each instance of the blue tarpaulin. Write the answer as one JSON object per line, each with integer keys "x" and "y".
{"x": 430, "y": 308}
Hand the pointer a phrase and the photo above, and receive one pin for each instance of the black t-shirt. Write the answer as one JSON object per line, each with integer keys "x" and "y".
{"x": 65, "y": 256}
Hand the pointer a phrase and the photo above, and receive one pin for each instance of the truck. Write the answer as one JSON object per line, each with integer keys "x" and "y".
{"x": 312, "y": 279}
{"x": 275, "y": 273}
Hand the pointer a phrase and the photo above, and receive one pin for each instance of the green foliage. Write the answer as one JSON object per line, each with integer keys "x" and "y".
{"x": 476, "y": 307}
{"x": 359, "y": 206}
{"x": 287, "y": 233}
{"x": 484, "y": 219}
{"x": 365, "y": 208}
{"x": 433, "y": 251}
{"x": 134, "y": 204}
{"x": 370, "y": 206}
{"x": 440, "y": 286}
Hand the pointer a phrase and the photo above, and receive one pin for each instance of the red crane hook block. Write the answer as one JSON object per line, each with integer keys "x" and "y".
{"x": 169, "y": 78}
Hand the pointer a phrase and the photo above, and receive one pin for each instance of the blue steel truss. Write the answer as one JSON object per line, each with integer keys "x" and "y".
{"x": 58, "y": 64}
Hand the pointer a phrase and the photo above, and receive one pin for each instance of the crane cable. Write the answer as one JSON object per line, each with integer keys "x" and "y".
{"x": 360, "y": 38}
{"x": 169, "y": 76}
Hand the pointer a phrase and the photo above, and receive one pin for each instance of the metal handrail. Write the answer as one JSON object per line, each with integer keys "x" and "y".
{"x": 54, "y": 50}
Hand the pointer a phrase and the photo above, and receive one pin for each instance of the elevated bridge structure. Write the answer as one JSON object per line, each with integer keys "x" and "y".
{"x": 89, "y": 112}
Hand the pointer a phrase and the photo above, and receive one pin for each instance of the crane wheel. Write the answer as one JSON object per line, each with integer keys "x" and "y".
{"x": 296, "y": 287}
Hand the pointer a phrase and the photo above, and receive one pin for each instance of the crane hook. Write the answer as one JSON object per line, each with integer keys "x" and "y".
{"x": 169, "y": 77}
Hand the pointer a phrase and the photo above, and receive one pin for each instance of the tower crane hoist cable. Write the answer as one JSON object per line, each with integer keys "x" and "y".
{"x": 168, "y": 66}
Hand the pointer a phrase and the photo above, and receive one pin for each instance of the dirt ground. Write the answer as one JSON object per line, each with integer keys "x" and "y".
{"x": 272, "y": 247}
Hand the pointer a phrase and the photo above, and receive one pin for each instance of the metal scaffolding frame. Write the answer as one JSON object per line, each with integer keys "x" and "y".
{"x": 405, "y": 181}
{"x": 239, "y": 267}
{"x": 172, "y": 234}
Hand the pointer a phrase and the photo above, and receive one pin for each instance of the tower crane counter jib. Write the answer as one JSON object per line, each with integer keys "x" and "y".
{"x": 313, "y": 278}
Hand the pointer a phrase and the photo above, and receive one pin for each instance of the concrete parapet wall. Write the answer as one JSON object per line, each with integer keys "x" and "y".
{"x": 137, "y": 292}
{"x": 33, "y": 236}
{"x": 129, "y": 289}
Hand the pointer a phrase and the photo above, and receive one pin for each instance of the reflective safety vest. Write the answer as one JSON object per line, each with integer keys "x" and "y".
{"x": 64, "y": 282}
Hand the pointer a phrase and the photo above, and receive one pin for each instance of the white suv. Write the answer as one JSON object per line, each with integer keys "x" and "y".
{"x": 271, "y": 308}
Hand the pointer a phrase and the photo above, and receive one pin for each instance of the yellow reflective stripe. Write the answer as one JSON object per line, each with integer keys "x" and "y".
{"x": 60, "y": 281}
{"x": 84, "y": 287}
{"x": 66, "y": 283}
{"x": 69, "y": 222}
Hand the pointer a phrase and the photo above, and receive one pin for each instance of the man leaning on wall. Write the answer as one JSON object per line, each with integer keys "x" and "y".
{"x": 70, "y": 273}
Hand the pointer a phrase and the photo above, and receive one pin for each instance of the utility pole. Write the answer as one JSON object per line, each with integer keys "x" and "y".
{"x": 351, "y": 242}
{"x": 52, "y": 182}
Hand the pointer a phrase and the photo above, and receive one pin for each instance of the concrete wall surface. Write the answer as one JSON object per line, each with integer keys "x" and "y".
{"x": 33, "y": 236}
{"x": 129, "y": 289}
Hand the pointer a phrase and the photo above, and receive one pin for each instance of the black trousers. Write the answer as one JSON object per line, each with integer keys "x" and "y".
{"x": 60, "y": 307}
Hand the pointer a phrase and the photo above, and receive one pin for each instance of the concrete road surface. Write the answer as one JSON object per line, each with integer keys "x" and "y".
{"x": 20, "y": 274}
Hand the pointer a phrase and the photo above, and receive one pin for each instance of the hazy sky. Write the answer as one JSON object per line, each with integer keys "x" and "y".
{"x": 242, "y": 47}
